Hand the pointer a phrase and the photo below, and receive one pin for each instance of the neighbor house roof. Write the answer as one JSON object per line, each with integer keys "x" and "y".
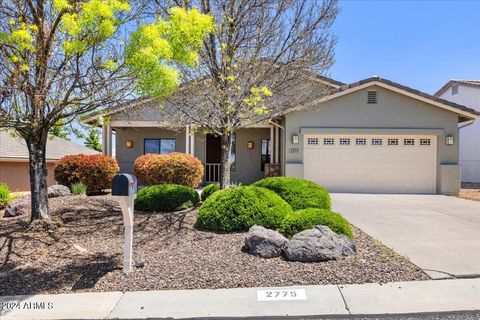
{"x": 463, "y": 111}
{"x": 468, "y": 83}
{"x": 14, "y": 148}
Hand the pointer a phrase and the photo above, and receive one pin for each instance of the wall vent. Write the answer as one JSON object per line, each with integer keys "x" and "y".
{"x": 372, "y": 97}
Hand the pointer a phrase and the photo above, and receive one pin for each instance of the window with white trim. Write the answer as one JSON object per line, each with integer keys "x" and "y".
{"x": 328, "y": 141}
{"x": 377, "y": 142}
{"x": 344, "y": 141}
{"x": 312, "y": 140}
{"x": 408, "y": 142}
{"x": 361, "y": 141}
{"x": 425, "y": 142}
{"x": 393, "y": 142}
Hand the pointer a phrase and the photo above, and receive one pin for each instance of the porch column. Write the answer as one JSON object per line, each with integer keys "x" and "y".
{"x": 106, "y": 138}
{"x": 272, "y": 153}
{"x": 192, "y": 146}
{"x": 187, "y": 139}
{"x": 277, "y": 144}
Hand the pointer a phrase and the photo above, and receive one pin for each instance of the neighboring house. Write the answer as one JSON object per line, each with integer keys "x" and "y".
{"x": 14, "y": 168}
{"x": 466, "y": 92}
{"x": 371, "y": 136}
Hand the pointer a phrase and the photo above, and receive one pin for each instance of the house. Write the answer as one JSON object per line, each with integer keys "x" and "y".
{"x": 373, "y": 136}
{"x": 14, "y": 167}
{"x": 466, "y": 92}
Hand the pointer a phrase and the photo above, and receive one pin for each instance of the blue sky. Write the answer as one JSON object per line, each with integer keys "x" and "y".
{"x": 421, "y": 44}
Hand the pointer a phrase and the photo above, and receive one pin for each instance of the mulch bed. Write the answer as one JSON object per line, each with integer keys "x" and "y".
{"x": 84, "y": 253}
{"x": 470, "y": 191}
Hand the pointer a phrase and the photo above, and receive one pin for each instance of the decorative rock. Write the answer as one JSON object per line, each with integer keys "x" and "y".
{"x": 18, "y": 207}
{"x": 264, "y": 242}
{"x": 58, "y": 190}
{"x": 318, "y": 244}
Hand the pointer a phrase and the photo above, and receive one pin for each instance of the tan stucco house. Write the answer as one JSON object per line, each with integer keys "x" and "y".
{"x": 14, "y": 169}
{"x": 373, "y": 136}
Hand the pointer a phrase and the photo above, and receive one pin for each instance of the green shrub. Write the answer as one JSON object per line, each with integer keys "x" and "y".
{"x": 309, "y": 218}
{"x": 165, "y": 198}
{"x": 239, "y": 208}
{"x": 299, "y": 193}
{"x": 79, "y": 188}
{"x": 209, "y": 190}
{"x": 5, "y": 196}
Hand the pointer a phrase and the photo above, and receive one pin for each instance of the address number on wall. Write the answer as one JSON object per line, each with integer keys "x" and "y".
{"x": 281, "y": 294}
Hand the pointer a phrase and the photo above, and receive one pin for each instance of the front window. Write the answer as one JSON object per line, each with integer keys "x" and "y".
{"x": 233, "y": 154}
{"x": 160, "y": 146}
{"x": 266, "y": 153}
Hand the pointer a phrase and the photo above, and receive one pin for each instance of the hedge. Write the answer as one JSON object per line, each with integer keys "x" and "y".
{"x": 308, "y": 218}
{"x": 95, "y": 171}
{"x": 299, "y": 193}
{"x": 239, "y": 208}
{"x": 210, "y": 189}
{"x": 177, "y": 168}
{"x": 166, "y": 198}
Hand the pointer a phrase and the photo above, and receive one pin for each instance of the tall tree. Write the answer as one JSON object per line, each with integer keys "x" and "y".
{"x": 59, "y": 130}
{"x": 262, "y": 58}
{"x": 92, "y": 141}
{"x": 60, "y": 59}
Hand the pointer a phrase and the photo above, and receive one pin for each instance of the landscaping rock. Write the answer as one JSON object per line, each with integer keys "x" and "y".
{"x": 58, "y": 190}
{"x": 265, "y": 243}
{"x": 318, "y": 244}
{"x": 18, "y": 207}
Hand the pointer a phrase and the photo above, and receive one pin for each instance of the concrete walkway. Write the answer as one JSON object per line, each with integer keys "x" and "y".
{"x": 392, "y": 298}
{"x": 439, "y": 234}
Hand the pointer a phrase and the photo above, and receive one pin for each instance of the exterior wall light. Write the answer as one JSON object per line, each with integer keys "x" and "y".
{"x": 449, "y": 140}
{"x": 250, "y": 145}
{"x": 129, "y": 144}
{"x": 295, "y": 139}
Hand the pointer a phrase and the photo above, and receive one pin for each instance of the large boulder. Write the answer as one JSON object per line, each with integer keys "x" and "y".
{"x": 58, "y": 190}
{"x": 318, "y": 244}
{"x": 265, "y": 243}
{"x": 18, "y": 207}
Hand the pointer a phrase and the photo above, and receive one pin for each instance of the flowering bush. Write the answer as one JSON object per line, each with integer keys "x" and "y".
{"x": 177, "y": 168}
{"x": 95, "y": 171}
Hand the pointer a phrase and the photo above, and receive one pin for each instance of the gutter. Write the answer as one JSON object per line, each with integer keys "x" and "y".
{"x": 466, "y": 124}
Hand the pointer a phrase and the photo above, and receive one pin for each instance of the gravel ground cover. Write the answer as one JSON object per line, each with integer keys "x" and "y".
{"x": 470, "y": 191}
{"x": 84, "y": 253}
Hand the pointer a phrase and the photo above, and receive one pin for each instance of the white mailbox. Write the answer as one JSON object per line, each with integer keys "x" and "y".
{"x": 124, "y": 188}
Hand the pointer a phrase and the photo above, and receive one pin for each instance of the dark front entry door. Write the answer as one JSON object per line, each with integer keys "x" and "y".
{"x": 214, "y": 149}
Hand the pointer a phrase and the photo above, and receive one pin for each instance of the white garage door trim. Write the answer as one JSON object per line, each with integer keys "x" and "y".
{"x": 372, "y": 163}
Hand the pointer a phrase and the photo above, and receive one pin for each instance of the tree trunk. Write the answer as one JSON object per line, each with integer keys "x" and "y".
{"x": 225, "y": 165}
{"x": 38, "y": 176}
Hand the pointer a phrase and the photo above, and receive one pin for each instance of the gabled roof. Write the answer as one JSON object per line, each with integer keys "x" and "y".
{"x": 15, "y": 149}
{"x": 462, "y": 111}
{"x": 468, "y": 83}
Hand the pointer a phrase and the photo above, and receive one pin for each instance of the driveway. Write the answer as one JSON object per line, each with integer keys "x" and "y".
{"x": 439, "y": 234}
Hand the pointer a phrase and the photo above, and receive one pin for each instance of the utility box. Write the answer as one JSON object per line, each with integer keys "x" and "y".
{"x": 124, "y": 184}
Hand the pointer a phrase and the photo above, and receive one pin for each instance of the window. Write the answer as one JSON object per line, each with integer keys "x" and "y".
{"x": 312, "y": 140}
{"x": 344, "y": 141}
{"x": 372, "y": 97}
{"x": 361, "y": 141}
{"x": 454, "y": 89}
{"x": 233, "y": 155}
{"x": 160, "y": 146}
{"x": 393, "y": 142}
{"x": 266, "y": 153}
{"x": 408, "y": 142}
{"x": 425, "y": 142}
{"x": 328, "y": 141}
{"x": 377, "y": 142}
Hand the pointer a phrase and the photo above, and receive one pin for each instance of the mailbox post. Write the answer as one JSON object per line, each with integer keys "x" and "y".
{"x": 124, "y": 188}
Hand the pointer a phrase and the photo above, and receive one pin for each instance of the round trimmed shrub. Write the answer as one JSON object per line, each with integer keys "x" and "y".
{"x": 308, "y": 218}
{"x": 5, "y": 197}
{"x": 299, "y": 193}
{"x": 95, "y": 171}
{"x": 239, "y": 208}
{"x": 166, "y": 198}
{"x": 176, "y": 167}
{"x": 209, "y": 190}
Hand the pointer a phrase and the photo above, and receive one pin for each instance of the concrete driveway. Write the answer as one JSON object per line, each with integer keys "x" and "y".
{"x": 439, "y": 234}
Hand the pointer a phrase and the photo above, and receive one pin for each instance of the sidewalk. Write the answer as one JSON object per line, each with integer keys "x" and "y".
{"x": 400, "y": 297}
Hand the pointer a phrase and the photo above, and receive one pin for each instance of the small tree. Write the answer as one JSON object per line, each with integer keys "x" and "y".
{"x": 60, "y": 59}
{"x": 92, "y": 141}
{"x": 262, "y": 59}
{"x": 59, "y": 130}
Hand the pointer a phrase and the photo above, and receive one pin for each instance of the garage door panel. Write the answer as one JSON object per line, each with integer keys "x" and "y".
{"x": 373, "y": 168}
